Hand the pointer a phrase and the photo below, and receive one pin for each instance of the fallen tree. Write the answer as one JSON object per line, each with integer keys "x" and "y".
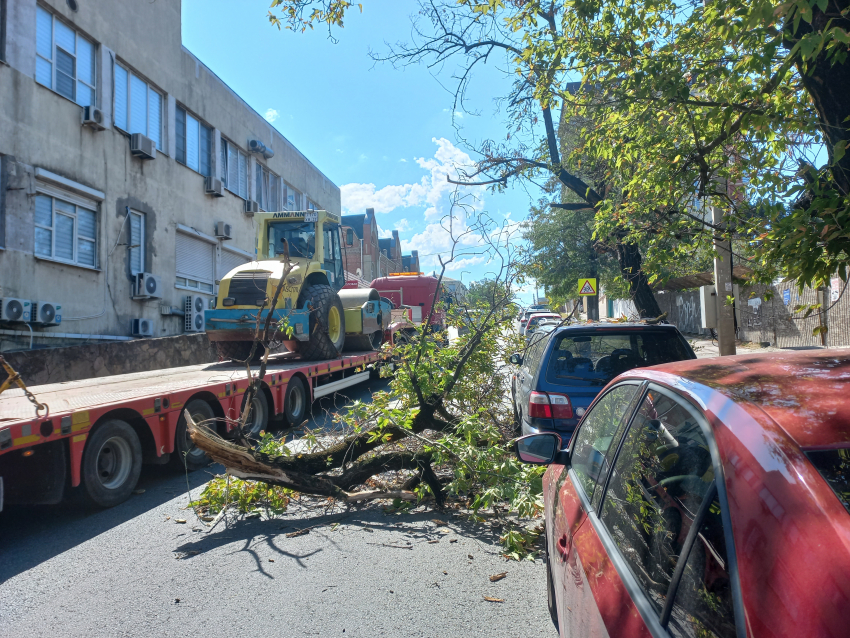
{"x": 441, "y": 429}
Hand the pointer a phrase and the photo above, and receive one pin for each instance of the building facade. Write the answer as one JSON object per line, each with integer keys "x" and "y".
{"x": 368, "y": 256}
{"x": 163, "y": 178}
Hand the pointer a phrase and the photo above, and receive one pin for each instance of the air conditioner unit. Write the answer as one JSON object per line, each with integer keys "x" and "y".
{"x": 223, "y": 230}
{"x": 193, "y": 320}
{"x": 142, "y": 146}
{"x": 12, "y": 309}
{"x": 147, "y": 286}
{"x": 142, "y": 328}
{"x": 212, "y": 186}
{"x": 46, "y": 313}
{"x": 251, "y": 207}
{"x": 93, "y": 117}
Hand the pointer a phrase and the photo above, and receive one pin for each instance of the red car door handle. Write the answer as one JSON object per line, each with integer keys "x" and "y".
{"x": 563, "y": 548}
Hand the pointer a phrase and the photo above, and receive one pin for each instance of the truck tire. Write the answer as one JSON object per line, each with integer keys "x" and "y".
{"x": 112, "y": 462}
{"x": 258, "y": 419}
{"x": 195, "y": 458}
{"x": 327, "y": 323}
{"x": 238, "y": 351}
{"x": 295, "y": 402}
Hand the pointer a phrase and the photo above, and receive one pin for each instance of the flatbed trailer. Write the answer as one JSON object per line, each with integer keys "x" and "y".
{"x": 98, "y": 432}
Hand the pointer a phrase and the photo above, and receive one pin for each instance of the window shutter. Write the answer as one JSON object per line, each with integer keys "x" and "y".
{"x": 44, "y": 48}
{"x": 120, "y": 97}
{"x": 206, "y": 149}
{"x": 232, "y": 169}
{"x": 155, "y": 121}
{"x": 243, "y": 176}
{"x": 258, "y": 193}
{"x": 136, "y": 239}
{"x": 192, "y": 142}
{"x": 195, "y": 258}
{"x": 138, "y": 106}
{"x": 230, "y": 260}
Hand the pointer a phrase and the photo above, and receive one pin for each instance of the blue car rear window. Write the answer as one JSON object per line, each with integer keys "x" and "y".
{"x": 593, "y": 359}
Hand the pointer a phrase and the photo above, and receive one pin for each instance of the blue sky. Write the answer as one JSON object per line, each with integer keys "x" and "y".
{"x": 384, "y": 135}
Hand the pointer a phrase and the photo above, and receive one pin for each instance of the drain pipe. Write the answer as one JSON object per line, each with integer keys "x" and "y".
{"x": 30, "y": 327}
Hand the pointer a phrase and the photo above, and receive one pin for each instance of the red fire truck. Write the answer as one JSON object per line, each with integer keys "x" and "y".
{"x": 97, "y": 433}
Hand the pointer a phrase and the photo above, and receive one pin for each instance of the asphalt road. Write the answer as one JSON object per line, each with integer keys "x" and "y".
{"x": 134, "y": 571}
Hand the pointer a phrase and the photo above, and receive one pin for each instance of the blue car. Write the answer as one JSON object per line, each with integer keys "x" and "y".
{"x": 560, "y": 373}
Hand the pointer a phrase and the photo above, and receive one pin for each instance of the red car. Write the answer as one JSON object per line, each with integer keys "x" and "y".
{"x": 704, "y": 498}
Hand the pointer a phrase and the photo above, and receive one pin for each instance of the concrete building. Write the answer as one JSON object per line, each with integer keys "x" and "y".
{"x": 81, "y": 215}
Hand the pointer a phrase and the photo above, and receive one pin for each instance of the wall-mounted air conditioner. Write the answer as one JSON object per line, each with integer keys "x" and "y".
{"x": 142, "y": 147}
{"x": 193, "y": 320}
{"x": 223, "y": 230}
{"x": 93, "y": 118}
{"x": 13, "y": 309}
{"x": 46, "y": 313}
{"x": 212, "y": 186}
{"x": 251, "y": 207}
{"x": 147, "y": 286}
{"x": 142, "y": 328}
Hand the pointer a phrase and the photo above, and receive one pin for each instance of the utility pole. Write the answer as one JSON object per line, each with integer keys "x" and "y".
{"x": 593, "y": 302}
{"x": 723, "y": 284}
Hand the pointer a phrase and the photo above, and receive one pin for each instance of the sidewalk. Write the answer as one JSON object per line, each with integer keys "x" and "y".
{"x": 706, "y": 349}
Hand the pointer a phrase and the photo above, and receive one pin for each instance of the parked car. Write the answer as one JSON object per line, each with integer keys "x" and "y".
{"x": 543, "y": 328}
{"x": 704, "y": 498}
{"x": 559, "y": 377}
{"x": 535, "y": 319}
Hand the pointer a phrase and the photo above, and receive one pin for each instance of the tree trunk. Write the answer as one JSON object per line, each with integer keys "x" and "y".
{"x": 828, "y": 83}
{"x": 630, "y": 260}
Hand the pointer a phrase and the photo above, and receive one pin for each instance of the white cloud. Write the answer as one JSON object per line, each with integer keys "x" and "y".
{"x": 433, "y": 194}
{"x": 431, "y": 191}
{"x": 271, "y": 115}
{"x": 403, "y": 160}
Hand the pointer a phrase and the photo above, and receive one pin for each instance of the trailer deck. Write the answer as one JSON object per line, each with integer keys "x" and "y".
{"x": 151, "y": 403}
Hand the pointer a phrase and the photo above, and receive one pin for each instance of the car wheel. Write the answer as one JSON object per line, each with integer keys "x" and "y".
{"x": 258, "y": 417}
{"x": 186, "y": 455}
{"x": 112, "y": 462}
{"x": 295, "y": 402}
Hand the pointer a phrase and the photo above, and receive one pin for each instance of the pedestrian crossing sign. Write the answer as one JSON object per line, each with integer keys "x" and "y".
{"x": 587, "y": 287}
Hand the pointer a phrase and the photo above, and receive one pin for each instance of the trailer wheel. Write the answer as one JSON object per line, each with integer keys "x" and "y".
{"x": 195, "y": 458}
{"x": 258, "y": 418}
{"x": 295, "y": 402}
{"x": 239, "y": 351}
{"x": 327, "y": 323}
{"x": 112, "y": 461}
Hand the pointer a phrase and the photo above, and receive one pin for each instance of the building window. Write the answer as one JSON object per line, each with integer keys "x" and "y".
{"x": 349, "y": 237}
{"x": 138, "y": 106}
{"x": 268, "y": 189}
{"x": 234, "y": 169}
{"x": 194, "y": 142}
{"x": 137, "y": 242}
{"x": 195, "y": 263}
{"x": 291, "y": 198}
{"x": 64, "y": 59}
{"x": 65, "y": 232}
{"x": 312, "y": 206}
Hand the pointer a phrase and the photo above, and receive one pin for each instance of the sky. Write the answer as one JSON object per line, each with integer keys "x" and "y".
{"x": 387, "y": 137}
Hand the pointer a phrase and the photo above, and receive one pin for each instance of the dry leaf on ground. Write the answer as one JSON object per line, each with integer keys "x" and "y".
{"x": 490, "y": 599}
{"x": 497, "y": 577}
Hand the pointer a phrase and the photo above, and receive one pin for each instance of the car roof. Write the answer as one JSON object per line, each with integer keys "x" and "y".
{"x": 628, "y": 326}
{"x": 805, "y": 392}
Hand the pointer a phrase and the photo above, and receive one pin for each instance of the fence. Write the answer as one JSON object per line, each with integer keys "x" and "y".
{"x": 773, "y": 320}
